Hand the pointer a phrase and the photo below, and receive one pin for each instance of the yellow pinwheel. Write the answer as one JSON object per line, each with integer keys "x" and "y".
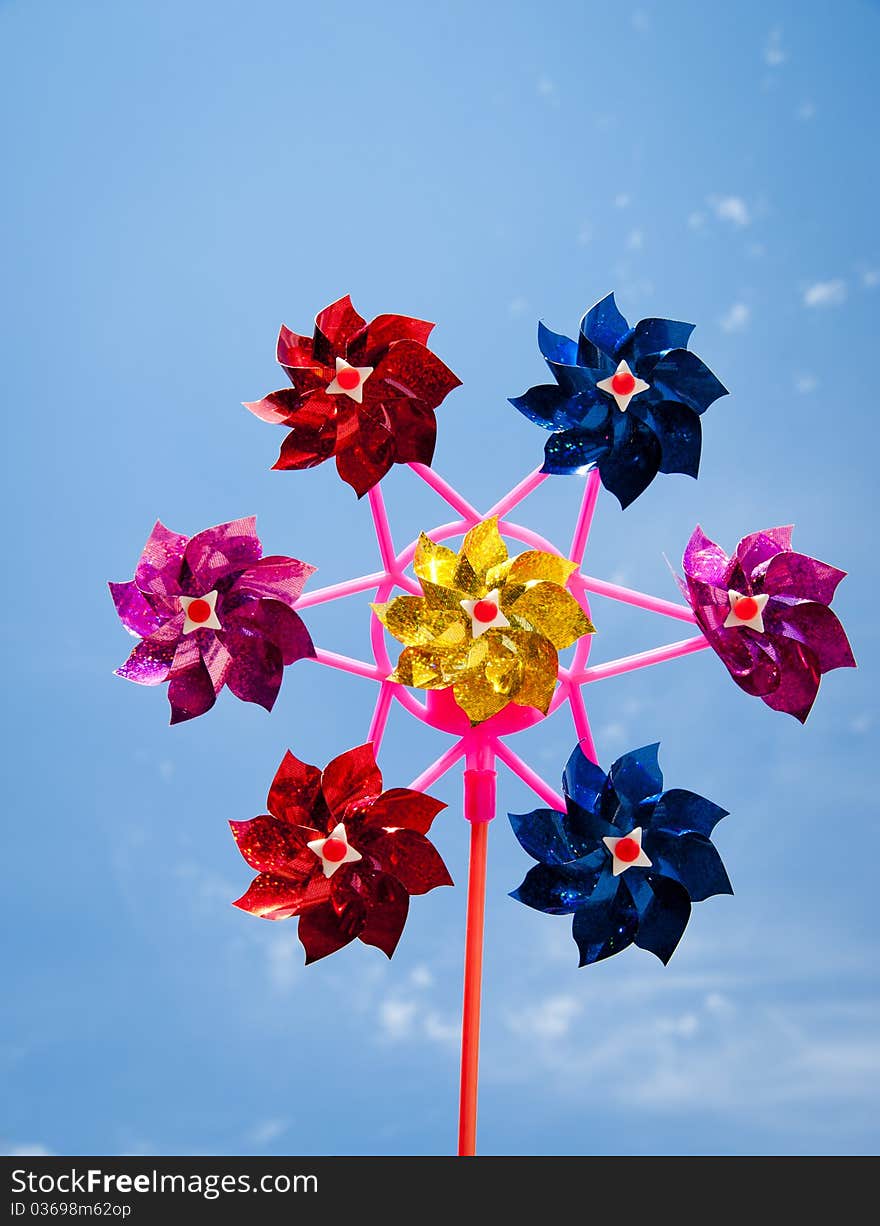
{"x": 488, "y": 625}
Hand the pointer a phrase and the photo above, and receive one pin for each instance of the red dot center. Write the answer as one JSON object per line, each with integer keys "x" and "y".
{"x": 627, "y": 850}
{"x": 334, "y": 850}
{"x": 746, "y": 608}
{"x": 347, "y": 378}
{"x": 485, "y": 610}
{"x": 198, "y": 611}
{"x": 623, "y": 383}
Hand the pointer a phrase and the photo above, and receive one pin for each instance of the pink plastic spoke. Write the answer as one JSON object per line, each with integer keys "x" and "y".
{"x": 447, "y": 493}
{"x": 654, "y": 604}
{"x": 439, "y": 768}
{"x": 581, "y": 722}
{"x": 383, "y": 529}
{"x": 517, "y": 494}
{"x": 642, "y": 659}
{"x": 585, "y": 517}
{"x": 529, "y": 777}
{"x": 347, "y": 665}
{"x": 336, "y": 591}
{"x": 380, "y": 715}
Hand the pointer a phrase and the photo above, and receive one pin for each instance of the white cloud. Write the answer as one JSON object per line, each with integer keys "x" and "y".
{"x": 774, "y": 54}
{"x": 25, "y": 1151}
{"x": 696, "y": 220}
{"x": 871, "y": 278}
{"x": 421, "y": 977}
{"x": 585, "y": 234}
{"x": 397, "y": 1018}
{"x": 622, "y": 200}
{"x": 403, "y": 1019}
{"x": 805, "y": 384}
{"x": 736, "y": 319}
{"x": 283, "y": 963}
{"x": 546, "y": 89}
{"x": 806, "y": 110}
{"x": 267, "y": 1131}
{"x": 517, "y": 306}
{"x": 731, "y": 208}
{"x": 640, "y": 21}
{"x": 548, "y": 1019}
{"x": 825, "y": 293}
{"x": 635, "y": 240}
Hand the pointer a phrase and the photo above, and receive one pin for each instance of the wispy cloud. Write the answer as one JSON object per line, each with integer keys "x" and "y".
{"x": 27, "y": 1150}
{"x": 736, "y": 318}
{"x": 774, "y": 52}
{"x": 731, "y": 208}
{"x": 806, "y": 110}
{"x": 548, "y": 1019}
{"x": 825, "y": 293}
{"x": 805, "y": 384}
{"x": 635, "y": 240}
{"x": 267, "y": 1131}
{"x": 545, "y": 88}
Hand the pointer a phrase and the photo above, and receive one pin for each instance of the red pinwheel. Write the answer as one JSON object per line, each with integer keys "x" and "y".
{"x": 340, "y": 853}
{"x": 364, "y": 393}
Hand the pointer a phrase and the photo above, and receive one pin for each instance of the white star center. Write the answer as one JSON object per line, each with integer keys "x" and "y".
{"x": 485, "y": 613}
{"x": 335, "y": 850}
{"x": 349, "y": 380}
{"x": 623, "y": 385}
{"x": 631, "y": 854}
{"x": 201, "y": 612}
{"x": 746, "y": 611}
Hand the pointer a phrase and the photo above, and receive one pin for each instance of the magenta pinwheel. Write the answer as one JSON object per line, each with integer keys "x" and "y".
{"x": 487, "y": 643}
{"x": 765, "y": 612}
{"x": 210, "y": 611}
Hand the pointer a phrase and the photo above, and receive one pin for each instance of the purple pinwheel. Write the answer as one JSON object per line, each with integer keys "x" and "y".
{"x": 210, "y": 611}
{"x": 626, "y": 400}
{"x": 765, "y": 612}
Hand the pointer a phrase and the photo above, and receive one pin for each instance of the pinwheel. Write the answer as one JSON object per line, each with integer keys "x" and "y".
{"x": 765, "y": 612}
{"x": 364, "y": 393}
{"x": 212, "y": 611}
{"x": 625, "y": 857}
{"x": 492, "y": 643}
{"x": 340, "y": 853}
{"x": 626, "y": 400}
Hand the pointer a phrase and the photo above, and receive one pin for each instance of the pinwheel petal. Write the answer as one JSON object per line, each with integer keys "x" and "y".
{"x": 605, "y": 923}
{"x": 190, "y": 691}
{"x": 276, "y": 898}
{"x": 689, "y": 859}
{"x": 364, "y": 461}
{"x": 582, "y": 780}
{"x": 794, "y": 574}
{"x": 257, "y": 666}
{"x": 633, "y": 461}
{"x": 552, "y": 612}
{"x": 386, "y": 914}
{"x": 280, "y": 625}
{"x": 415, "y": 371}
{"x": 134, "y": 610}
{"x": 335, "y": 326}
{"x": 413, "y": 427}
{"x": 158, "y": 570}
{"x": 367, "y": 347}
{"x": 351, "y": 780}
{"x": 561, "y": 889}
{"x": 651, "y": 336}
{"x": 818, "y": 628}
{"x": 548, "y": 406}
{"x": 604, "y": 326}
{"x": 405, "y": 809}
{"x": 683, "y": 812}
{"x": 799, "y": 677}
{"x": 313, "y": 435}
{"x": 681, "y": 376}
{"x": 406, "y": 855}
{"x": 278, "y": 408}
{"x": 679, "y": 431}
{"x": 574, "y": 451}
{"x": 663, "y": 910}
{"x": 293, "y": 349}
{"x": 276, "y": 847}
{"x": 296, "y": 792}
{"x": 556, "y": 838}
{"x": 276, "y": 577}
{"x": 434, "y": 563}
{"x": 636, "y": 777}
{"x": 322, "y": 931}
{"x": 149, "y": 663}
{"x": 216, "y": 552}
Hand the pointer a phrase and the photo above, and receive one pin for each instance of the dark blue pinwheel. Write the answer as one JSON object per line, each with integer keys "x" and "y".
{"x": 626, "y": 400}
{"x": 626, "y": 858}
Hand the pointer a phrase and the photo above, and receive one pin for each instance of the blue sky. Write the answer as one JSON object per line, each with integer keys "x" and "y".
{"x": 179, "y": 180}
